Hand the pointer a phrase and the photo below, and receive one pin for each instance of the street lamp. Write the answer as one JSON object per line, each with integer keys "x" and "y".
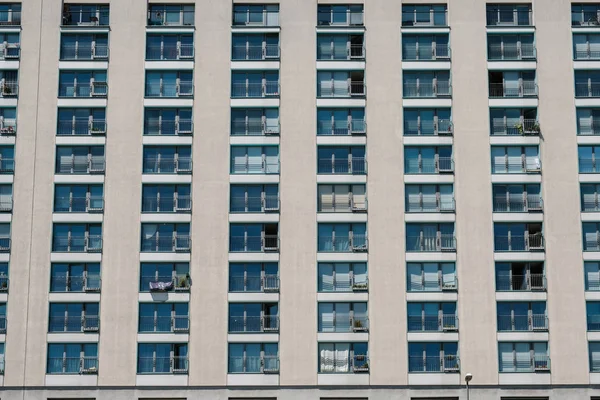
{"x": 468, "y": 378}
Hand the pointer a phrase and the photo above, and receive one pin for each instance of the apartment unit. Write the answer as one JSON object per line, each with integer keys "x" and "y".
{"x": 317, "y": 199}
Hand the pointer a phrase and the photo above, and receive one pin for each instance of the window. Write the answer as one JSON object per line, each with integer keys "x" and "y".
{"x": 82, "y": 84}
{"x": 254, "y": 237}
{"x": 78, "y": 160}
{"x": 517, "y": 197}
{"x": 587, "y": 83}
{"x": 253, "y": 277}
{"x": 512, "y": 84}
{"x": 164, "y": 276}
{"x": 77, "y": 238}
{"x": 6, "y": 198}
{"x": 253, "y": 358}
{"x": 341, "y": 84}
{"x": 591, "y": 236}
{"x": 4, "y": 277}
{"x": 85, "y": 15}
{"x": 170, "y": 15}
{"x": 340, "y": 15}
{"x": 255, "y": 84}
{"x": 253, "y": 317}
{"x": 163, "y": 317}
{"x": 78, "y": 198}
{"x": 516, "y": 159}
{"x": 342, "y": 160}
{"x": 342, "y": 277}
{"x": 75, "y": 358}
{"x": 425, "y": 47}
{"x": 594, "y": 350}
{"x": 523, "y": 357}
{"x": 83, "y": 46}
{"x": 7, "y": 159}
{"x": 168, "y": 121}
{"x": 433, "y": 357}
{"x": 169, "y": 47}
{"x": 429, "y": 198}
{"x": 509, "y": 14}
{"x": 430, "y": 237}
{"x": 256, "y": 15}
{"x": 167, "y": 160}
{"x": 3, "y": 318}
{"x": 165, "y": 238}
{"x": 427, "y": 122}
{"x": 342, "y": 238}
{"x": 255, "y": 159}
{"x": 75, "y": 277}
{"x": 343, "y": 358}
{"x": 162, "y": 358}
{"x": 592, "y": 275}
{"x": 424, "y": 15}
{"x": 593, "y": 315}
{"x": 511, "y": 47}
{"x": 520, "y": 276}
{"x": 341, "y": 198}
{"x": 588, "y": 121}
{"x": 81, "y": 121}
{"x": 255, "y": 46}
{"x": 5, "y": 238}
{"x": 585, "y": 14}
{"x": 426, "y": 84}
{"x": 428, "y": 160}
{"x": 253, "y": 198}
{"x": 166, "y": 198}
{"x": 254, "y": 121}
{"x": 169, "y": 84}
{"x": 518, "y": 237}
{"x": 432, "y": 317}
{"x": 340, "y": 47}
{"x": 343, "y": 317}
{"x": 514, "y": 122}
{"x": 341, "y": 121}
{"x": 522, "y": 316}
{"x": 431, "y": 277}
{"x": 74, "y": 317}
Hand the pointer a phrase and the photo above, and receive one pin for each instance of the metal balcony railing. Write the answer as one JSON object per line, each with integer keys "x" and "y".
{"x": 255, "y": 89}
{"x": 75, "y": 244}
{"x": 250, "y": 204}
{"x": 153, "y": 283}
{"x": 8, "y": 126}
{"x": 345, "y": 283}
{"x": 172, "y": 243}
{"x": 175, "y": 204}
{"x": 81, "y": 165}
{"x": 527, "y": 242}
{"x": 2, "y": 324}
{"x": 265, "y": 283}
{"x": 530, "y": 202}
{"x": 443, "y": 363}
{"x": 436, "y": 127}
{"x": 440, "y": 242}
{"x": 83, "y": 126}
{"x": 163, "y": 17}
{"x": 517, "y": 165}
{"x": 342, "y": 89}
{"x": 168, "y": 127}
{"x": 340, "y": 18}
{"x": 430, "y": 203}
{"x": 587, "y": 53}
{"x": 253, "y": 18}
{"x": 168, "y": 165}
{"x": 427, "y": 89}
{"x": 79, "y": 17}
{"x": 511, "y": 51}
{"x": 255, "y": 52}
{"x": 6, "y": 204}
{"x": 513, "y": 89}
{"x": 254, "y": 323}
{"x": 9, "y": 88}
{"x": 87, "y": 51}
{"x": 254, "y": 128}
{"x": 180, "y": 51}
{"x": 525, "y": 127}
{"x": 434, "y": 165}
{"x": 10, "y": 51}
{"x": 344, "y": 322}
{"x": 426, "y": 284}
{"x": 265, "y": 364}
{"x": 7, "y": 165}
{"x": 170, "y": 323}
{"x": 518, "y": 283}
{"x": 352, "y": 126}
{"x": 505, "y": 17}
{"x": 343, "y": 203}
{"x": 70, "y": 283}
{"x": 433, "y": 323}
{"x": 249, "y": 243}
{"x": 170, "y": 89}
{"x": 76, "y": 204}
{"x": 350, "y": 52}
{"x": 591, "y": 241}
{"x": 532, "y": 362}
{"x": 351, "y": 165}
{"x": 73, "y": 365}
{"x": 588, "y": 127}
{"x": 85, "y": 89}
{"x": 357, "y": 363}
{"x": 10, "y": 18}
{"x": 344, "y": 244}
{"x": 523, "y": 322}
{"x": 4, "y": 283}
{"x": 77, "y": 323}
{"x": 430, "y": 52}
{"x": 163, "y": 365}
{"x": 587, "y": 89}
{"x": 417, "y": 19}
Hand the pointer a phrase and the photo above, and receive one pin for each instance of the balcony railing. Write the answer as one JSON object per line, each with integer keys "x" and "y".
{"x": 435, "y": 165}
{"x": 265, "y": 283}
{"x": 430, "y": 203}
{"x": 168, "y": 165}
{"x": 343, "y": 244}
{"x": 71, "y": 283}
{"x": 255, "y": 52}
{"x": 265, "y": 364}
{"x": 158, "y": 17}
{"x": 74, "y": 244}
{"x": 523, "y": 322}
{"x": 344, "y": 322}
{"x": 426, "y": 284}
{"x": 431, "y": 52}
{"x": 10, "y": 18}
{"x": 248, "y": 204}
{"x": 179, "y": 283}
{"x": 175, "y": 243}
{"x": 248, "y": 243}
{"x": 251, "y": 323}
{"x": 78, "y": 323}
{"x": 342, "y": 89}
{"x": 352, "y": 166}
{"x": 514, "y": 17}
{"x": 345, "y": 283}
{"x": 517, "y": 165}
{"x": 254, "y": 128}
{"x": 2, "y": 324}
{"x": 340, "y": 18}
{"x": 531, "y": 202}
{"x": 8, "y": 126}
{"x": 525, "y": 127}
{"x": 511, "y": 51}
{"x": 73, "y": 365}
{"x": 163, "y": 365}
{"x": 4, "y": 283}
{"x": 354, "y": 126}
{"x": 175, "y": 204}
{"x": 530, "y": 363}
{"x": 253, "y": 18}
{"x": 6, "y": 204}
{"x": 347, "y": 203}
{"x": 9, "y": 89}
{"x": 170, "y": 89}
{"x": 255, "y": 89}
{"x": 357, "y": 363}
{"x": 7, "y": 165}
{"x": 82, "y": 126}
{"x": 178, "y": 126}
{"x": 527, "y": 242}
{"x": 76, "y": 204}
{"x": 10, "y": 51}
{"x": 181, "y": 51}
{"x": 520, "y": 283}
{"x": 175, "y": 323}
{"x": 427, "y": 89}
{"x": 81, "y": 165}
{"x": 590, "y": 127}
{"x": 440, "y": 242}
{"x": 5, "y": 243}
{"x": 418, "y": 19}
{"x": 587, "y": 54}
{"x": 80, "y": 51}
{"x": 514, "y": 89}
{"x": 89, "y": 89}
{"x": 433, "y": 323}
{"x": 350, "y": 52}
{"x": 587, "y": 89}
{"x": 98, "y": 17}
{"x": 445, "y": 363}
{"x": 436, "y": 127}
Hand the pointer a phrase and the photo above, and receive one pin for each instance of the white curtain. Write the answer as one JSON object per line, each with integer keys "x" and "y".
{"x": 342, "y": 356}
{"x": 326, "y": 198}
{"x": 272, "y": 120}
{"x": 255, "y": 159}
{"x": 584, "y": 121}
{"x": 327, "y": 357}
{"x": 326, "y": 317}
{"x": 431, "y": 275}
{"x": 506, "y": 357}
{"x": 326, "y": 277}
{"x": 498, "y": 160}
{"x": 414, "y": 277}
{"x": 359, "y": 195}
{"x": 342, "y": 197}
{"x": 342, "y": 277}
{"x": 448, "y": 274}
{"x": 592, "y": 276}
{"x": 238, "y": 157}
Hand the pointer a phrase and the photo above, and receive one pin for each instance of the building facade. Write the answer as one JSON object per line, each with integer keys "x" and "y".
{"x": 315, "y": 199}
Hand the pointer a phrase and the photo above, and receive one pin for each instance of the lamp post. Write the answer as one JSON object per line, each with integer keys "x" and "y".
{"x": 468, "y": 378}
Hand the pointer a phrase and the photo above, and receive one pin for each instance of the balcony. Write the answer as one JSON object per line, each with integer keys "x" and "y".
{"x": 4, "y": 283}
{"x": 85, "y": 323}
{"x": 264, "y": 284}
{"x": 76, "y": 204}
{"x": 516, "y": 165}
{"x": 256, "y": 16}
{"x": 8, "y": 126}
{"x": 430, "y": 204}
{"x": 350, "y": 127}
{"x": 240, "y": 90}
{"x": 264, "y": 52}
{"x": 168, "y": 165}
{"x": 265, "y": 364}
{"x": 10, "y": 16}
{"x": 248, "y": 243}
{"x": 178, "y": 283}
{"x": 530, "y": 362}
{"x": 346, "y": 283}
{"x": 178, "y": 126}
{"x": 162, "y": 324}
{"x": 7, "y": 165}
{"x": 10, "y": 51}
{"x": 331, "y": 17}
{"x": 429, "y": 52}
{"x": 344, "y": 323}
{"x": 174, "y": 365}
{"x": 350, "y": 166}
{"x": 443, "y": 363}
{"x": 525, "y": 127}
{"x": 343, "y": 89}
{"x": 2, "y": 324}
{"x": 5, "y": 243}
{"x": 179, "y": 51}
{"x": 85, "y": 16}
{"x": 348, "y": 203}
{"x": 86, "y": 365}
{"x": 169, "y": 244}
{"x": 85, "y": 282}
{"x": 514, "y": 90}
{"x": 6, "y": 204}
{"x": 254, "y": 324}
{"x": 521, "y": 323}
{"x": 355, "y": 243}
{"x": 506, "y": 16}
{"x": 585, "y": 15}
{"x": 351, "y": 52}
{"x": 249, "y": 204}
{"x": 254, "y": 127}
{"x": 433, "y": 323}
{"x": 517, "y": 51}
{"x": 181, "y": 89}
{"x": 176, "y": 204}
{"x": 525, "y": 203}
{"x": 83, "y": 52}
{"x": 439, "y": 89}
{"x": 424, "y": 243}
{"x": 357, "y": 363}
{"x": 527, "y": 242}
{"x": 170, "y": 15}
{"x": 421, "y": 17}
{"x": 437, "y": 165}
{"x": 9, "y": 89}
{"x": 432, "y": 284}
{"x": 85, "y": 127}
{"x": 422, "y": 127}
{"x": 521, "y": 283}
{"x": 81, "y": 165}
{"x": 73, "y": 244}
{"x": 91, "y": 89}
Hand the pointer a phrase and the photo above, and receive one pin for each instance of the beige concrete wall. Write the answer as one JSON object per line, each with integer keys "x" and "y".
{"x": 122, "y": 194}
{"x": 209, "y": 266}
{"x": 298, "y": 193}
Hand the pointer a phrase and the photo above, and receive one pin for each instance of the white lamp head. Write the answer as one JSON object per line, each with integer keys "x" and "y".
{"x": 468, "y": 377}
